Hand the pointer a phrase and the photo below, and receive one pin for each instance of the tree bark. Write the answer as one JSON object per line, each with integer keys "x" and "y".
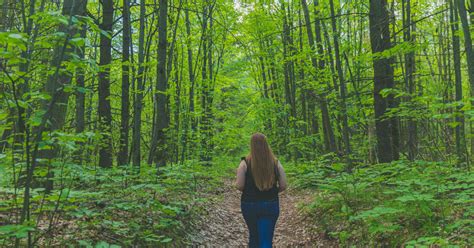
{"x": 80, "y": 98}
{"x": 459, "y": 129}
{"x": 461, "y": 6}
{"x": 158, "y": 143}
{"x": 190, "y": 120}
{"x": 383, "y": 76}
{"x": 138, "y": 98}
{"x": 409, "y": 77}
{"x": 104, "y": 111}
{"x": 122, "y": 157}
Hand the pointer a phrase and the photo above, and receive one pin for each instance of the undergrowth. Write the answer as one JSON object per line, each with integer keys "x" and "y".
{"x": 94, "y": 207}
{"x": 411, "y": 204}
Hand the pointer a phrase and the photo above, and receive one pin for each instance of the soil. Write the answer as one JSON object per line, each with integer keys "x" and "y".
{"x": 224, "y": 226}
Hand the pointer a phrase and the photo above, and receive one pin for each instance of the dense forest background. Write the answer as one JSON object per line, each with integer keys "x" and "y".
{"x": 119, "y": 117}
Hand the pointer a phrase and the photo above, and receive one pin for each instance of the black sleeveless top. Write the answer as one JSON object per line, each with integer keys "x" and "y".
{"x": 252, "y": 193}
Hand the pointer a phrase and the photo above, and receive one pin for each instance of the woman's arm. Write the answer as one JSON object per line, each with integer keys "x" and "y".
{"x": 282, "y": 179}
{"x": 240, "y": 180}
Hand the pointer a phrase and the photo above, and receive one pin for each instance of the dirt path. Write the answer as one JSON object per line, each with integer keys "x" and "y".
{"x": 224, "y": 225}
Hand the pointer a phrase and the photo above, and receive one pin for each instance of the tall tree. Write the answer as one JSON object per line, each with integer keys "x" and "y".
{"x": 190, "y": 120}
{"x": 158, "y": 144}
{"x": 461, "y": 6}
{"x": 104, "y": 109}
{"x": 409, "y": 75}
{"x": 204, "y": 81}
{"x": 328, "y": 133}
{"x": 125, "y": 110}
{"x": 138, "y": 96}
{"x": 54, "y": 110}
{"x": 383, "y": 76}
{"x": 459, "y": 129}
{"x": 342, "y": 85}
{"x": 80, "y": 95}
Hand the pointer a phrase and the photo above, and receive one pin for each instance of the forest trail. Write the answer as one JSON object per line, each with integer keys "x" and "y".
{"x": 224, "y": 226}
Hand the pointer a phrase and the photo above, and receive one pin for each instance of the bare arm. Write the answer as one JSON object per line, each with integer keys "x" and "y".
{"x": 282, "y": 179}
{"x": 240, "y": 180}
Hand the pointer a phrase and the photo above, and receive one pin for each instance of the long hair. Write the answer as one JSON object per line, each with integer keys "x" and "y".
{"x": 262, "y": 162}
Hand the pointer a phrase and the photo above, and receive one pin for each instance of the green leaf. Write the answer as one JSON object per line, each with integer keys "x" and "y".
{"x": 166, "y": 240}
{"x": 78, "y": 42}
{"x": 19, "y": 231}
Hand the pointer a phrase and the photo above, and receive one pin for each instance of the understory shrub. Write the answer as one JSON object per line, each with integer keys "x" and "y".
{"x": 401, "y": 203}
{"x": 95, "y": 207}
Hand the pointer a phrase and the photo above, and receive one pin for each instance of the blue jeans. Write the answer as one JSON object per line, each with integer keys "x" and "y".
{"x": 261, "y": 218}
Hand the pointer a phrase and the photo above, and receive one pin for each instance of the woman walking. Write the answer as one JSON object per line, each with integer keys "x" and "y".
{"x": 260, "y": 177}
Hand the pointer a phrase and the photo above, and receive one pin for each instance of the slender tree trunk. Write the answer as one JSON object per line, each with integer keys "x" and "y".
{"x": 207, "y": 84}
{"x": 177, "y": 107}
{"x": 105, "y": 113}
{"x": 461, "y": 6}
{"x": 80, "y": 98}
{"x": 190, "y": 121}
{"x": 204, "y": 79}
{"x": 264, "y": 76}
{"x": 459, "y": 129}
{"x": 302, "y": 81}
{"x": 122, "y": 157}
{"x": 342, "y": 83}
{"x": 210, "y": 89}
{"x": 409, "y": 77}
{"x": 392, "y": 101}
{"x": 23, "y": 87}
{"x": 138, "y": 99}
{"x": 289, "y": 63}
{"x": 328, "y": 133}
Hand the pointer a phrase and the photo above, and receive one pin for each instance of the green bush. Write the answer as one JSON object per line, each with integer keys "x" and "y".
{"x": 96, "y": 207}
{"x": 397, "y": 204}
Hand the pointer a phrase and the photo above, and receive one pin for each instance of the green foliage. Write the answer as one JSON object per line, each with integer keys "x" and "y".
{"x": 112, "y": 208}
{"x": 255, "y": 80}
{"x": 401, "y": 203}
{"x": 18, "y": 231}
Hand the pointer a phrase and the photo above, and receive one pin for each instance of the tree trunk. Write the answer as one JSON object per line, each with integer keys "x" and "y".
{"x": 342, "y": 87}
{"x": 409, "y": 76}
{"x": 56, "y": 84}
{"x": 122, "y": 157}
{"x": 158, "y": 144}
{"x": 383, "y": 76}
{"x": 105, "y": 113}
{"x": 328, "y": 134}
{"x": 177, "y": 107}
{"x": 190, "y": 121}
{"x": 207, "y": 85}
{"x": 138, "y": 99}
{"x": 54, "y": 115}
{"x": 459, "y": 129}
{"x": 80, "y": 98}
{"x": 461, "y": 6}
